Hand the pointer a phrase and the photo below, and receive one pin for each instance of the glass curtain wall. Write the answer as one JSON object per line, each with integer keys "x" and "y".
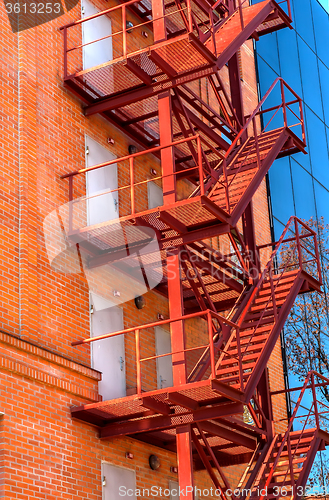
{"x": 299, "y": 185}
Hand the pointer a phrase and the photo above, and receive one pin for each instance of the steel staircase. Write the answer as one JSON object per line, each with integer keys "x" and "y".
{"x": 243, "y": 354}
{"x": 253, "y": 20}
{"x": 198, "y": 44}
{"x": 210, "y": 160}
{"x": 290, "y": 455}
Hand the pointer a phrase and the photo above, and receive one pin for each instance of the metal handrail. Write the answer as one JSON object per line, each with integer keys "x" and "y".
{"x": 228, "y": 175}
{"x": 188, "y": 17}
{"x": 208, "y": 314}
{"x": 199, "y": 168}
{"x": 268, "y": 273}
{"x": 308, "y": 384}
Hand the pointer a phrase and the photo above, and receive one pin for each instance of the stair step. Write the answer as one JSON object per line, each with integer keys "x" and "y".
{"x": 261, "y": 339}
{"x": 283, "y": 472}
{"x": 247, "y": 357}
{"x": 247, "y": 332}
{"x": 233, "y": 369}
{"x": 260, "y": 307}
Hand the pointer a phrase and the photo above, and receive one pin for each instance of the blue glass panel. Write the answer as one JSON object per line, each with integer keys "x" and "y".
{"x": 310, "y": 78}
{"x": 303, "y": 21}
{"x": 281, "y": 189}
{"x": 322, "y": 201}
{"x": 267, "y": 49}
{"x": 324, "y": 80}
{"x": 321, "y": 31}
{"x": 289, "y": 62}
{"x": 303, "y": 191}
{"x": 318, "y": 148}
{"x": 267, "y": 77}
{"x": 301, "y": 158}
{"x": 278, "y": 227}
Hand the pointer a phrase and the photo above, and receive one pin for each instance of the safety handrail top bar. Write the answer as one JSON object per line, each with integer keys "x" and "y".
{"x": 98, "y": 14}
{"x": 206, "y": 312}
{"x": 128, "y": 157}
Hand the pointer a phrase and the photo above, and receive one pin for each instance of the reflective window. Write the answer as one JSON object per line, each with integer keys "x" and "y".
{"x": 321, "y": 31}
{"x": 303, "y": 191}
{"x": 324, "y": 80}
{"x": 281, "y": 189}
{"x": 317, "y": 146}
{"x": 322, "y": 201}
{"x": 289, "y": 60}
{"x": 310, "y": 78}
{"x": 278, "y": 227}
{"x": 303, "y": 20}
{"x": 267, "y": 49}
{"x": 274, "y": 98}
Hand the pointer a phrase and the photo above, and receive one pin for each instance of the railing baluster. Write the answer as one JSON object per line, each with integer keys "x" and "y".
{"x": 300, "y": 258}
{"x": 138, "y": 362}
{"x": 256, "y": 140}
{"x": 124, "y": 31}
{"x": 200, "y": 165}
{"x": 240, "y": 357}
{"x": 189, "y": 16}
{"x": 316, "y": 411}
{"x": 283, "y": 98}
{"x": 241, "y": 15}
{"x": 132, "y": 182}
{"x": 211, "y": 345}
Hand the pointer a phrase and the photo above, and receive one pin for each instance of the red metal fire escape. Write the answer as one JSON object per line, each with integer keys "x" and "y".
{"x": 213, "y": 159}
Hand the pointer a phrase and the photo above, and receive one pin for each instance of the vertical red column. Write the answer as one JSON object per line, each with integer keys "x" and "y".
{"x": 159, "y": 23}
{"x": 175, "y": 294}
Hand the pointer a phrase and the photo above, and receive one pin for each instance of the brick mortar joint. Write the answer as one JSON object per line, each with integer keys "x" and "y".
{"x": 54, "y": 358}
{"x": 13, "y": 366}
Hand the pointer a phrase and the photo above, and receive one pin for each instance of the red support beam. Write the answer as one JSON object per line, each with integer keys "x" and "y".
{"x": 175, "y": 295}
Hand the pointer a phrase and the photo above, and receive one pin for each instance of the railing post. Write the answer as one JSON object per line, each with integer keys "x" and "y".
{"x": 300, "y": 260}
{"x": 211, "y": 24}
{"x": 241, "y": 15}
{"x": 189, "y": 16}
{"x": 132, "y": 182}
{"x": 301, "y": 112}
{"x": 256, "y": 140}
{"x": 316, "y": 411}
{"x": 65, "y": 52}
{"x": 200, "y": 166}
{"x": 226, "y": 186}
{"x": 284, "y": 110}
{"x": 291, "y": 467}
{"x": 211, "y": 345}
{"x": 124, "y": 31}
{"x": 275, "y": 310}
{"x": 238, "y": 342}
{"x": 138, "y": 362}
{"x": 318, "y": 265}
